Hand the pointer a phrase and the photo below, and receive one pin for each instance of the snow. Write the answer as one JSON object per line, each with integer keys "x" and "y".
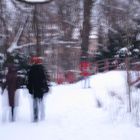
{"x": 138, "y": 37}
{"x": 72, "y": 112}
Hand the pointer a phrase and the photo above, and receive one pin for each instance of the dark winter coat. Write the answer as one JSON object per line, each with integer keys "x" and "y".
{"x": 37, "y": 81}
{"x": 11, "y": 84}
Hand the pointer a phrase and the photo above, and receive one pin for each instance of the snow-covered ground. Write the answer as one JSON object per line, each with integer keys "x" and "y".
{"x": 72, "y": 112}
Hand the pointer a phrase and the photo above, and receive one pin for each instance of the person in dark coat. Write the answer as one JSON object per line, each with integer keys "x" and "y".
{"x": 37, "y": 86}
{"x": 11, "y": 85}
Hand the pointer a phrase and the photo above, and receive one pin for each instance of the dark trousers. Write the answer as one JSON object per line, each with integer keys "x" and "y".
{"x": 38, "y": 108}
{"x": 12, "y": 114}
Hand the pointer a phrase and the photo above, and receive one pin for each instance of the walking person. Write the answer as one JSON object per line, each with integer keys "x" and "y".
{"x": 85, "y": 68}
{"x": 38, "y": 86}
{"x": 11, "y": 86}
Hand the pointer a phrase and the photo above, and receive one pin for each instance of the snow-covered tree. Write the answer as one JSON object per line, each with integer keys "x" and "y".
{"x": 119, "y": 23}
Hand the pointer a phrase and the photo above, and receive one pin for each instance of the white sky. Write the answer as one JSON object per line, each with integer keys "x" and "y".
{"x": 72, "y": 113}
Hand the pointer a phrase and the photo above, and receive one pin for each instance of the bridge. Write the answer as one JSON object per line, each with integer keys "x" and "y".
{"x": 130, "y": 65}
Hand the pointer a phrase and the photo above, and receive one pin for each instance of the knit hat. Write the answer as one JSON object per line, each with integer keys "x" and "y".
{"x": 36, "y": 60}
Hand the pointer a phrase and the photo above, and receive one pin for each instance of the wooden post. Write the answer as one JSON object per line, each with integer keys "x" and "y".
{"x": 127, "y": 62}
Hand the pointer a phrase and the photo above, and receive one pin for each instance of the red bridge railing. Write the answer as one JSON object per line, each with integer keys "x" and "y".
{"x": 126, "y": 64}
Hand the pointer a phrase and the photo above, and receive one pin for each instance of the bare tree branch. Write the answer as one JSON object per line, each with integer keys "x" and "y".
{"x": 35, "y": 2}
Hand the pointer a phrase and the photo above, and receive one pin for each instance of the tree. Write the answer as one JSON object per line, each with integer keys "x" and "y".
{"x": 120, "y": 28}
{"x": 86, "y": 27}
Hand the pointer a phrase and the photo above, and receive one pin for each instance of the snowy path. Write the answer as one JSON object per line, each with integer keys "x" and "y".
{"x": 71, "y": 114}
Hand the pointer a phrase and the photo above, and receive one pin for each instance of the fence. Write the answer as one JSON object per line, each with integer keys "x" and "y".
{"x": 126, "y": 64}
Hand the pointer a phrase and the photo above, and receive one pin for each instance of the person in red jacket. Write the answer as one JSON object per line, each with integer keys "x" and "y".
{"x": 85, "y": 68}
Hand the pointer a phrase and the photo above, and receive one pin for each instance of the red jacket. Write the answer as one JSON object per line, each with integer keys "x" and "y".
{"x": 85, "y": 68}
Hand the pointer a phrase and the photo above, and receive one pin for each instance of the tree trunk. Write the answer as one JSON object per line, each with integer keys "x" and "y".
{"x": 86, "y": 27}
